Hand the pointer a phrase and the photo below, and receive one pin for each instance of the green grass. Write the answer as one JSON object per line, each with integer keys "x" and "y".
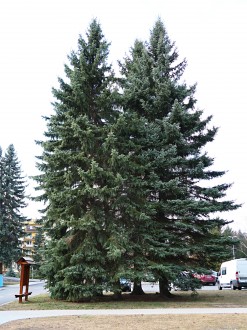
{"x": 215, "y": 299}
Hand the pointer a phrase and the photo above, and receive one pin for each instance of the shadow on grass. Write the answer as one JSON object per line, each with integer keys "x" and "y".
{"x": 204, "y": 299}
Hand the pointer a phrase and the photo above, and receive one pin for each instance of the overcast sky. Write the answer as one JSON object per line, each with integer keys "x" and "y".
{"x": 37, "y": 35}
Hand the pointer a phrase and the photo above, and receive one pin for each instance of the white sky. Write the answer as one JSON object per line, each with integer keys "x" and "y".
{"x": 37, "y": 35}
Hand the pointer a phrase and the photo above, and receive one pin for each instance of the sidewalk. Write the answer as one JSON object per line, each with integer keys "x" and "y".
{"x": 6, "y": 316}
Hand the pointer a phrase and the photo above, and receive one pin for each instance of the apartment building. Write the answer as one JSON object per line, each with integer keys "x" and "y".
{"x": 28, "y": 241}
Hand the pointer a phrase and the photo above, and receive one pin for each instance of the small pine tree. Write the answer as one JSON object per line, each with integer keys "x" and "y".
{"x": 12, "y": 200}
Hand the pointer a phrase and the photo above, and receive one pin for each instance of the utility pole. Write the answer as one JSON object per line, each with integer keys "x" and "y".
{"x": 233, "y": 247}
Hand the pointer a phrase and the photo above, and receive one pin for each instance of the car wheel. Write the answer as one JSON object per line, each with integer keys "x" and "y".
{"x": 239, "y": 288}
{"x": 233, "y": 287}
{"x": 219, "y": 286}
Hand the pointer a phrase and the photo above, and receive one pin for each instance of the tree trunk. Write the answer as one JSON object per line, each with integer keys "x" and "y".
{"x": 164, "y": 288}
{"x": 117, "y": 292}
{"x": 137, "y": 289}
{"x": 117, "y": 295}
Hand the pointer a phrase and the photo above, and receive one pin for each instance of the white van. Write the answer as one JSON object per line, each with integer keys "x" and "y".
{"x": 233, "y": 274}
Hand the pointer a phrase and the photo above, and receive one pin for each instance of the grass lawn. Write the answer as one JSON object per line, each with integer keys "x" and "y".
{"x": 181, "y": 299}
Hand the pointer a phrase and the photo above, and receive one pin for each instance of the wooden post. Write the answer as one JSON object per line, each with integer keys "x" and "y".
{"x": 24, "y": 278}
{"x": 1, "y": 274}
{"x": 21, "y": 283}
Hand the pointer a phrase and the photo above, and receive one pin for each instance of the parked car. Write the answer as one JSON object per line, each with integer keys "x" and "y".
{"x": 215, "y": 274}
{"x": 207, "y": 279}
{"x": 185, "y": 281}
{"x": 233, "y": 274}
{"x": 125, "y": 285}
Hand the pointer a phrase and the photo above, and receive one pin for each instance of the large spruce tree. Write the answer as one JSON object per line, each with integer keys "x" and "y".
{"x": 12, "y": 200}
{"x": 78, "y": 178}
{"x": 184, "y": 230}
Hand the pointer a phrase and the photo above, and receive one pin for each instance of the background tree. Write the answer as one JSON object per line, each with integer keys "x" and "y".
{"x": 238, "y": 245}
{"x": 39, "y": 249}
{"x": 12, "y": 199}
{"x": 1, "y": 202}
{"x": 184, "y": 228}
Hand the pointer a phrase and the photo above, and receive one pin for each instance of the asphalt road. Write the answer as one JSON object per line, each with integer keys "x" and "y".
{"x": 7, "y": 293}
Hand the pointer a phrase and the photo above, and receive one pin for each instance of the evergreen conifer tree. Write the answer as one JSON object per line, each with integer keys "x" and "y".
{"x": 182, "y": 232}
{"x": 12, "y": 199}
{"x": 123, "y": 176}
{"x": 78, "y": 178}
{"x": 238, "y": 245}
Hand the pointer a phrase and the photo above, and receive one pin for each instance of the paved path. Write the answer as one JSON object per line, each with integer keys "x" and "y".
{"x": 7, "y": 316}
